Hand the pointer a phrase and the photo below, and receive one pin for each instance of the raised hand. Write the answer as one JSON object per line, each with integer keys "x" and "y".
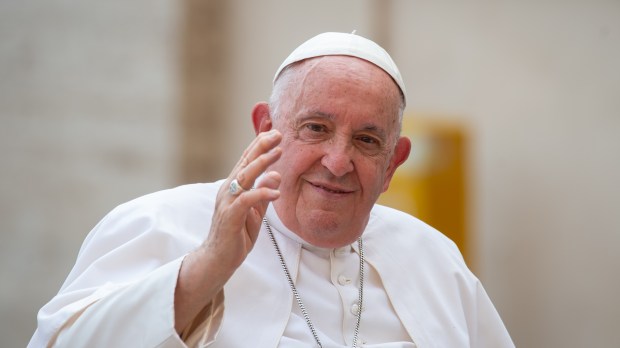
{"x": 240, "y": 206}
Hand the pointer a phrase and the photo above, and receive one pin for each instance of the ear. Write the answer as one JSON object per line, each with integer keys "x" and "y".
{"x": 261, "y": 118}
{"x": 400, "y": 155}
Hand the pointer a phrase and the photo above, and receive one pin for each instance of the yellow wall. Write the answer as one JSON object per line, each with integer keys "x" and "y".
{"x": 431, "y": 185}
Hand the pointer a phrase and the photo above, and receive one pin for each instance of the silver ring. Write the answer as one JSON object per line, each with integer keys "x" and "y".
{"x": 235, "y": 188}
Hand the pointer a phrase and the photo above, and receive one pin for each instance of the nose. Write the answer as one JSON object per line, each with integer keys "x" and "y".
{"x": 338, "y": 158}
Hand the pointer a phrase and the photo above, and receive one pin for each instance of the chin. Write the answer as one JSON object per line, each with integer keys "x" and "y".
{"x": 329, "y": 233}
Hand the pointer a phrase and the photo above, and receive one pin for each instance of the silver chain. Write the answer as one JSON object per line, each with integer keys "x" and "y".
{"x": 304, "y": 312}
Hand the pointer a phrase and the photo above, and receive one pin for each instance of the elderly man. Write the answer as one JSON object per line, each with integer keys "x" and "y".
{"x": 290, "y": 250}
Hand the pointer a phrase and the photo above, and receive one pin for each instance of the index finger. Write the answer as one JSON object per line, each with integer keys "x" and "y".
{"x": 261, "y": 153}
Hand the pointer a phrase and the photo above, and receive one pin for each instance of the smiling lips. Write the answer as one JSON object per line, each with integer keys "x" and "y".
{"x": 330, "y": 189}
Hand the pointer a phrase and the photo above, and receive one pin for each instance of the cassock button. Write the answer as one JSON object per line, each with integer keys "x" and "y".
{"x": 342, "y": 280}
{"x": 355, "y": 308}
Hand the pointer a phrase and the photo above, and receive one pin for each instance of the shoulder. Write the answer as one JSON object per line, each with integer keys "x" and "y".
{"x": 400, "y": 230}
{"x": 406, "y": 245}
{"x": 174, "y": 205}
{"x": 179, "y": 216}
{"x": 192, "y": 196}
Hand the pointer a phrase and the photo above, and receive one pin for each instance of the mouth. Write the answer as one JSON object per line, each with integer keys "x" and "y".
{"x": 330, "y": 188}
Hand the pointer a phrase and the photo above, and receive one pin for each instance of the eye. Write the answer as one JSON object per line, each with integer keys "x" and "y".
{"x": 369, "y": 144}
{"x": 315, "y": 127}
{"x": 313, "y": 131}
{"x": 367, "y": 139}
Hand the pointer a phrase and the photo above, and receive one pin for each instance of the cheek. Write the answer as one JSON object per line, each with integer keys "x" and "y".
{"x": 300, "y": 157}
{"x": 372, "y": 175}
{"x": 292, "y": 164}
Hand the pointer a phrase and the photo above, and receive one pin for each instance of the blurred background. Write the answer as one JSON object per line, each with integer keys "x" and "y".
{"x": 514, "y": 111}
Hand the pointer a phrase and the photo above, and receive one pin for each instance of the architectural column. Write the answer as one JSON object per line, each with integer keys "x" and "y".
{"x": 203, "y": 89}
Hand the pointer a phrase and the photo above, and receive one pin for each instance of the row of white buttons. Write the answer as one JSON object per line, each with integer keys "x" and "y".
{"x": 346, "y": 281}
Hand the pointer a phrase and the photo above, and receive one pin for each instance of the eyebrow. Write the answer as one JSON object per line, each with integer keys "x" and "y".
{"x": 322, "y": 114}
{"x": 379, "y": 131}
{"x": 315, "y": 114}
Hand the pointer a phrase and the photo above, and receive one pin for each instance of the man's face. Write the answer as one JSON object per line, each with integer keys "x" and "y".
{"x": 340, "y": 144}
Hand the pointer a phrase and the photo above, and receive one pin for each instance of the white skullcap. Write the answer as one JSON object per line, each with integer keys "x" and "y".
{"x": 343, "y": 44}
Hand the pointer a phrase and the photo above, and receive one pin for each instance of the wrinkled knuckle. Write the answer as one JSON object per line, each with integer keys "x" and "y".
{"x": 264, "y": 142}
{"x": 246, "y": 152}
{"x": 241, "y": 178}
{"x": 262, "y": 160}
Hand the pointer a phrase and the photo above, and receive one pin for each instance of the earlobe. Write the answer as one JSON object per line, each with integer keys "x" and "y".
{"x": 400, "y": 155}
{"x": 261, "y": 118}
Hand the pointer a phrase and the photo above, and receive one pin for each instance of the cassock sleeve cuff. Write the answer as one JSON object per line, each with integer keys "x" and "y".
{"x": 204, "y": 328}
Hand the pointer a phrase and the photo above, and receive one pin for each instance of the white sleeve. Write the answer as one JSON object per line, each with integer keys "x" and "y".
{"x": 488, "y": 330}
{"x": 139, "y": 315}
{"x": 120, "y": 292}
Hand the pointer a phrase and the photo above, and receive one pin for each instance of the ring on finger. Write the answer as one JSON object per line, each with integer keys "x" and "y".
{"x": 235, "y": 188}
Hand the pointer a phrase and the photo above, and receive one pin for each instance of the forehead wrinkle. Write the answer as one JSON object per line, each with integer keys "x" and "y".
{"x": 322, "y": 114}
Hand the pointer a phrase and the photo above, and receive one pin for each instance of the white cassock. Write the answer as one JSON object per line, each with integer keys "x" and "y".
{"x": 418, "y": 292}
